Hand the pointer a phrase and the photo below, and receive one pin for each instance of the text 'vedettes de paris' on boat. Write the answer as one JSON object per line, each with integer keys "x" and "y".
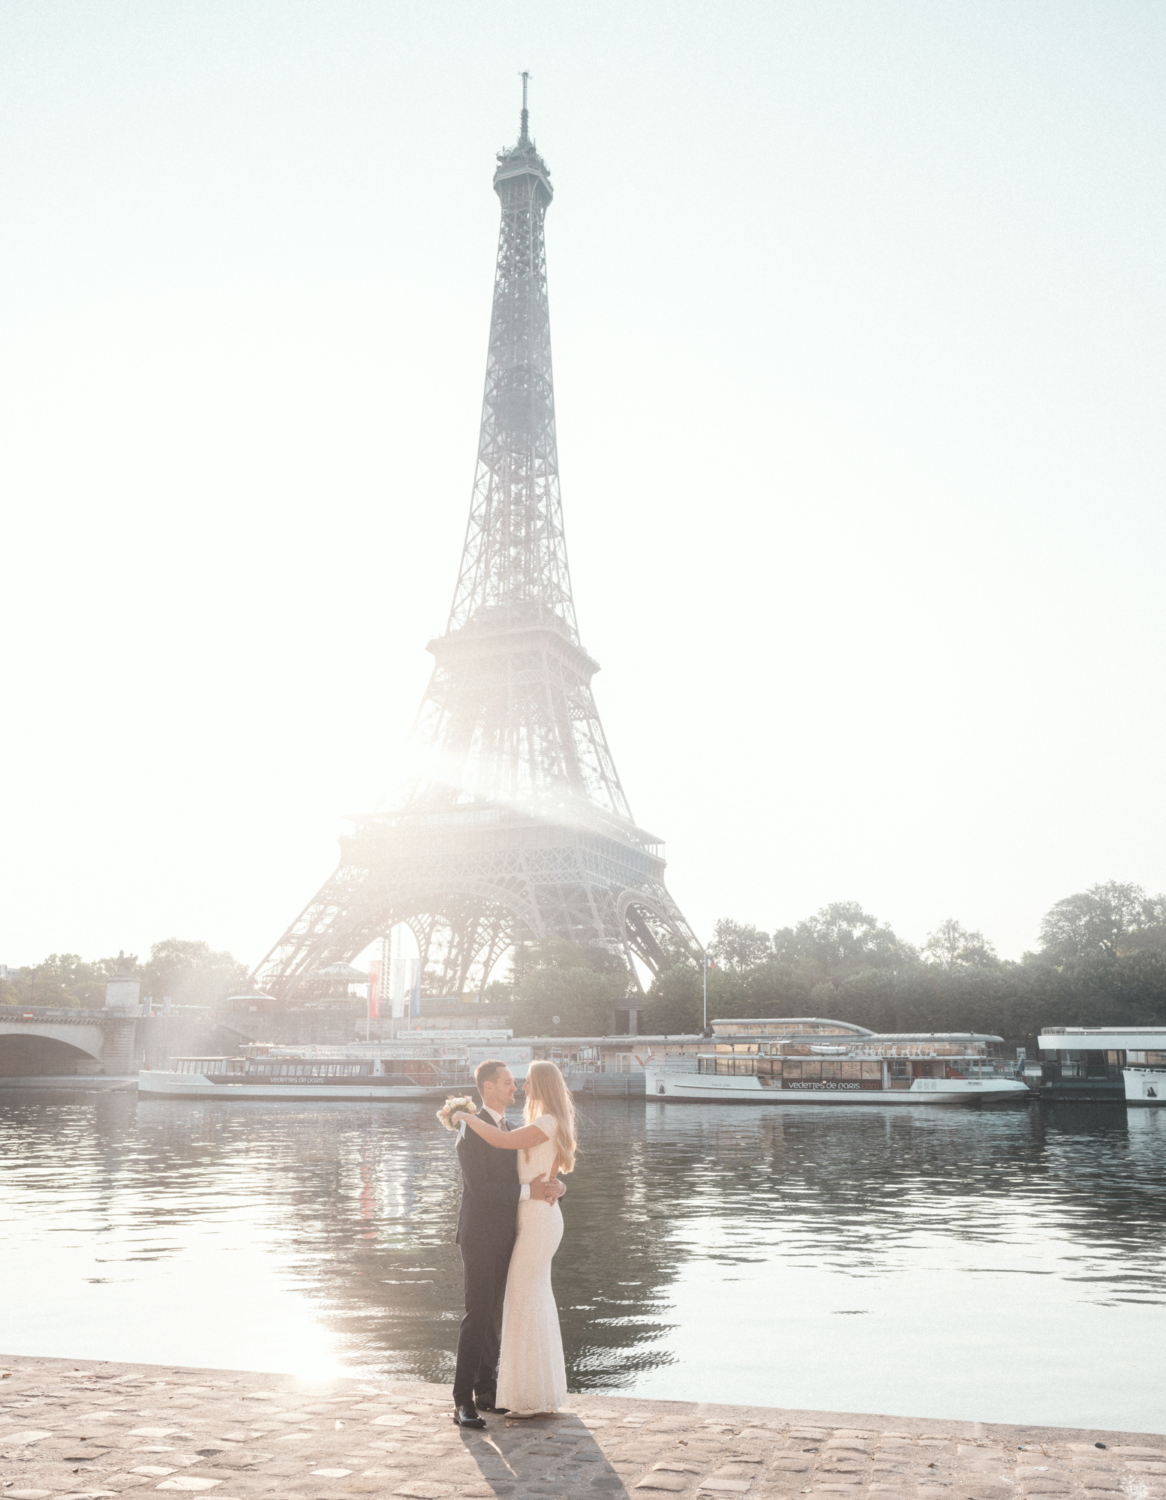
{"x": 803, "y": 1060}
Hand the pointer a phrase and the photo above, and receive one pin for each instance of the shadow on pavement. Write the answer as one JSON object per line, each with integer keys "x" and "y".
{"x": 556, "y": 1450}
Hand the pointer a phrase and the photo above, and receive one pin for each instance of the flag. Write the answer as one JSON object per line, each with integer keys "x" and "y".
{"x": 374, "y": 989}
{"x": 415, "y": 993}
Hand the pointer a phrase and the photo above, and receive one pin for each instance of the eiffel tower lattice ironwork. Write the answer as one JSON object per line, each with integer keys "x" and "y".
{"x": 518, "y": 827}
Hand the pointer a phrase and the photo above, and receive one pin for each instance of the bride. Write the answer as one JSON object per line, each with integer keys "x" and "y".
{"x": 531, "y": 1374}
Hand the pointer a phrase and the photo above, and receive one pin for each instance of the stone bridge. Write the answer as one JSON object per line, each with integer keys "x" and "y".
{"x": 43, "y": 1039}
{"x": 58, "y": 1039}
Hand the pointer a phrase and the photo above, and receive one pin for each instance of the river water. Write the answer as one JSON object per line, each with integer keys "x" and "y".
{"x": 994, "y": 1265}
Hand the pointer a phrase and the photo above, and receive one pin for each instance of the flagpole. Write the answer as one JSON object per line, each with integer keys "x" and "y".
{"x": 704, "y": 978}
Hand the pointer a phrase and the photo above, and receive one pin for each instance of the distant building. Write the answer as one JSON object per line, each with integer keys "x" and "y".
{"x": 7, "y": 973}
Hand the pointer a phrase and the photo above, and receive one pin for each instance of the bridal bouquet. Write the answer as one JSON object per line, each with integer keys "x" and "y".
{"x": 450, "y": 1108}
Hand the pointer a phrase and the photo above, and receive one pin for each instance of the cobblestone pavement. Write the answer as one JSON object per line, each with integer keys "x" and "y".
{"x": 73, "y": 1428}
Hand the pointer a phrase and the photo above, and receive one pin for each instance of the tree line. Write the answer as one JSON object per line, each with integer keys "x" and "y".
{"x": 191, "y": 973}
{"x": 1101, "y": 960}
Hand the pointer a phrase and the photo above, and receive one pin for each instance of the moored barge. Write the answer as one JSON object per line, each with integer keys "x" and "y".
{"x": 1104, "y": 1064}
{"x": 792, "y": 1061}
{"x": 372, "y": 1072}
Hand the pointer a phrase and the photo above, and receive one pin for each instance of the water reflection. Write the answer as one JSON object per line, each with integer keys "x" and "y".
{"x": 853, "y": 1259}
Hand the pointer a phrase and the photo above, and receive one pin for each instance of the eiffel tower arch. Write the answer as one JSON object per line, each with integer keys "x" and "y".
{"x": 515, "y": 826}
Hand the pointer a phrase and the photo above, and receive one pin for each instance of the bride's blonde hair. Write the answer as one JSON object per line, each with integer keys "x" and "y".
{"x": 547, "y": 1094}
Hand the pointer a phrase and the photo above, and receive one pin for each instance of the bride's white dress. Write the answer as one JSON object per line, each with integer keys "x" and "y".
{"x": 531, "y": 1374}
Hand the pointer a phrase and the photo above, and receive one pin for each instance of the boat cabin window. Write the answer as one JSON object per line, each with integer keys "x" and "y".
{"x": 279, "y": 1070}
{"x": 779, "y": 1071}
{"x": 733, "y": 1066}
{"x": 839, "y": 1069}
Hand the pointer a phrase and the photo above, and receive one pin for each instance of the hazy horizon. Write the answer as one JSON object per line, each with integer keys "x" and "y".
{"x": 858, "y": 335}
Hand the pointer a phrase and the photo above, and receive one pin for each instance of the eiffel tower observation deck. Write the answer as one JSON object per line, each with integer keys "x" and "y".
{"x": 514, "y": 826}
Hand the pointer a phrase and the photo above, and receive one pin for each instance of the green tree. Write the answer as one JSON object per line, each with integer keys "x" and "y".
{"x": 952, "y": 946}
{"x": 498, "y": 992}
{"x": 580, "y": 985}
{"x": 674, "y": 1001}
{"x": 840, "y": 939}
{"x": 63, "y": 979}
{"x": 191, "y": 973}
{"x": 739, "y": 946}
{"x": 1098, "y": 922}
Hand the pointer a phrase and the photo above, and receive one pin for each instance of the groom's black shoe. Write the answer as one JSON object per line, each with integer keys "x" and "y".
{"x": 497, "y": 1411}
{"x": 466, "y": 1415}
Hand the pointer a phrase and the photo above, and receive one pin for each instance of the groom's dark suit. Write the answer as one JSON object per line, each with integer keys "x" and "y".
{"x": 487, "y": 1223}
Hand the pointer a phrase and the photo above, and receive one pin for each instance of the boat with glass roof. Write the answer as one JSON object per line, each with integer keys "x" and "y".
{"x": 811, "y": 1060}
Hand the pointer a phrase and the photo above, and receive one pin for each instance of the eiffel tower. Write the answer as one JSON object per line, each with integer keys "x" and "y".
{"x": 516, "y": 827}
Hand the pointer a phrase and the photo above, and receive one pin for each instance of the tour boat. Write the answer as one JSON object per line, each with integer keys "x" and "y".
{"x": 788, "y": 1061}
{"x": 384, "y": 1073}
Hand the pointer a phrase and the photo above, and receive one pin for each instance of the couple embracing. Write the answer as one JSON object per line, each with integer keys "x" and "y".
{"x": 510, "y": 1349}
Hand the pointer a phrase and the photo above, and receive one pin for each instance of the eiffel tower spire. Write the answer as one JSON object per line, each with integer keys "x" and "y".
{"x": 516, "y": 825}
{"x": 515, "y": 560}
{"x": 528, "y": 734}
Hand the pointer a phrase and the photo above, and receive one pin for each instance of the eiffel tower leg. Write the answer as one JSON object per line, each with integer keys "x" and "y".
{"x": 338, "y": 923}
{"x": 655, "y": 930}
{"x": 500, "y": 939}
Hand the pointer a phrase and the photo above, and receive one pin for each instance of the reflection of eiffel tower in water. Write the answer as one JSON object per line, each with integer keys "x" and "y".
{"x": 517, "y": 826}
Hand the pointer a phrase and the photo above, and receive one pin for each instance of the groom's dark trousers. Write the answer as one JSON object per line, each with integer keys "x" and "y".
{"x": 486, "y": 1227}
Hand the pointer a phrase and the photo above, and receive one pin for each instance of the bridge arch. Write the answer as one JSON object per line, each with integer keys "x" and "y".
{"x": 27, "y": 1053}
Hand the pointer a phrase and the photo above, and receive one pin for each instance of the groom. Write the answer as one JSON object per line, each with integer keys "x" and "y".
{"x": 486, "y": 1227}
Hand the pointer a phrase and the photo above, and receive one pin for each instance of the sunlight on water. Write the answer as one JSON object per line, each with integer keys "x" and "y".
{"x": 999, "y": 1265}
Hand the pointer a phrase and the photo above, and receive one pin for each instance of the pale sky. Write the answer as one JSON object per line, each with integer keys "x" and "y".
{"x": 858, "y": 322}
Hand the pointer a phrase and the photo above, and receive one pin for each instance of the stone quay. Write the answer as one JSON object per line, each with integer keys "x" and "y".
{"x": 79, "y": 1428}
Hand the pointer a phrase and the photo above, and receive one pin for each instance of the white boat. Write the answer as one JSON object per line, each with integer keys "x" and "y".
{"x": 1124, "y": 1063}
{"x": 385, "y": 1074}
{"x": 1145, "y": 1085}
{"x": 776, "y": 1062}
